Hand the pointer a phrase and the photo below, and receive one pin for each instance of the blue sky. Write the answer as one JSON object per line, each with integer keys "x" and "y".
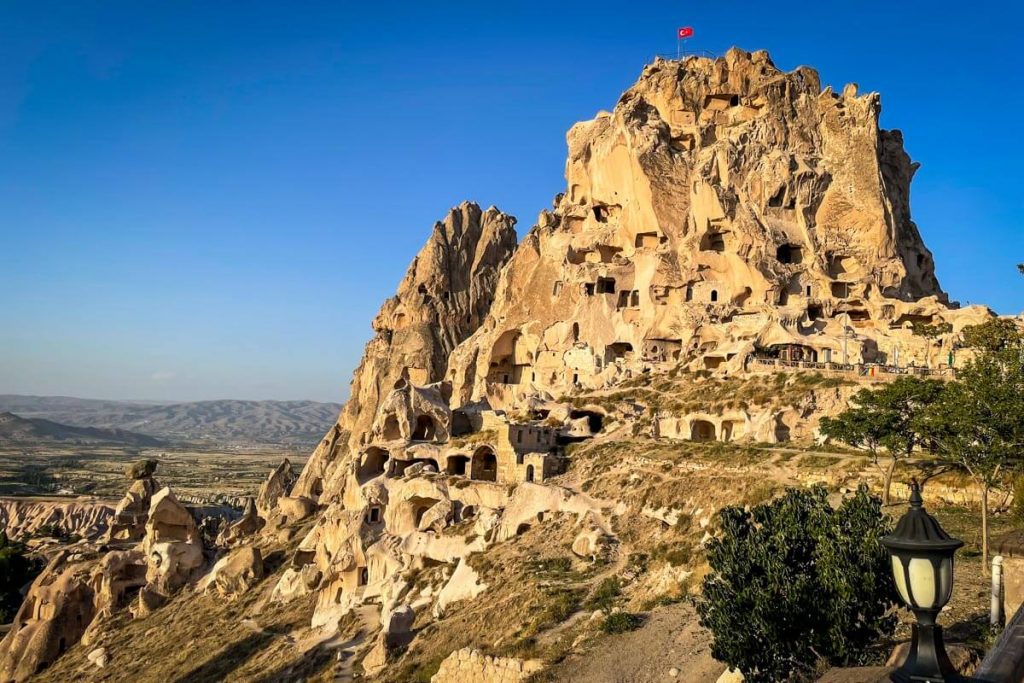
{"x": 209, "y": 200}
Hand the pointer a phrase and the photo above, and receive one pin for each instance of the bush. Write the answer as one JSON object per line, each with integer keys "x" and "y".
{"x": 794, "y": 581}
{"x": 620, "y": 622}
{"x": 16, "y": 570}
{"x": 605, "y": 594}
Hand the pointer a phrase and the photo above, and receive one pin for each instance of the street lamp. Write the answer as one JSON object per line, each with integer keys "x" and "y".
{"x": 922, "y": 565}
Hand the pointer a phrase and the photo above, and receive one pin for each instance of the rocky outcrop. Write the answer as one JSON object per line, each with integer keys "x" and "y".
{"x": 87, "y": 518}
{"x": 132, "y": 511}
{"x": 470, "y": 665}
{"x": 444, "y": 296}
{"x": 723, "y": 209}
{"x": 279, "y": 483}
{"x": 172, "y": 545}
{"x": 84, "y": 585}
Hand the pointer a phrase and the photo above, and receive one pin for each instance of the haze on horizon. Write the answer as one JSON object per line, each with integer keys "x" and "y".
{"x": 203, "y": 202}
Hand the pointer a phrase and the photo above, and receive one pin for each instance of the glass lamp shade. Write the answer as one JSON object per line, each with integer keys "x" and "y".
{"x": 922, "y": 557}
{"x": 923, "y": 582}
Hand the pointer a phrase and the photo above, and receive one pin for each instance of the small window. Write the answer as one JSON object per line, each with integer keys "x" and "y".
{"x": 364, "y": 576}
{"x": 714, "y": 295}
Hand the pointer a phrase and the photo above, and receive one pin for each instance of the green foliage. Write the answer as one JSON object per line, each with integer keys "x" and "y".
{"x": 994, "y": 336}
{"x": 15, "y": 571}
{"x": 794, "y": 580}
{"x": 978, "y": 423}
{"x": 605, "y": 594}
{"x": 621, "y": 622}
{"x": 931, "y": 331}
{"x": 979, "y": 420}
{"x": 888, "y": 417}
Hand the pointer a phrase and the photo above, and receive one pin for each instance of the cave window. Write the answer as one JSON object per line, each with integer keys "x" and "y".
{"x": 601, "y": 214}
{"x": 425, "y": 429}
{"x": 529, "y": 473}
{"x": 713, "y": 241}
{"x": 588, "y": 288}
{"x": 689, "y": 293}
{"x": 789, "y": 253}
{"x": 373, "y": 515}
{"x": 575, "y": 332}
{"x": 605, "y": 285}
{"x": 364, "y": 576}
{"x": 634, "y": 299}
{"x": 484, "y": 466}
{"x": 814, "y": 312}
{"x": 557, "y": 289}
{"x": 778, "y": 198}
{"x": 519, "y": 458}
{"x": 808, "y": 290}
{"x": 714, "y": 295}
{"x": 457, "y": 465}
{"x": 519, "y": 436}
{"x": 840, "y": 290}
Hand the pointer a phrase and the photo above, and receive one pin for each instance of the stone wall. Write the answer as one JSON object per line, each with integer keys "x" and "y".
{"x": 470, "y": 665}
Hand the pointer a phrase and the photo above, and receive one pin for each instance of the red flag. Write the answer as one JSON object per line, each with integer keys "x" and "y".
{"x": 686, "y": 32}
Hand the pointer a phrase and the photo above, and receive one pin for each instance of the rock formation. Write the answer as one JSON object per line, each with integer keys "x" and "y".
{"x": 442, "y": 299}
{"x": 131, "y": 513}
{"x": 726, "y": 218}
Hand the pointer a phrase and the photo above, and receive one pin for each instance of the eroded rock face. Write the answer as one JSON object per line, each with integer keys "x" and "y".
{"x": 442, "y": 299}
{"x": 279, "y": 483}
{"x": 129, "y": 523}
{"x": 724, "y": 207}
{"x": 172, "y": 545}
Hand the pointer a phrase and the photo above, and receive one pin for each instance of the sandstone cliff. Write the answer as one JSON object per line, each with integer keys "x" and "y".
{"x": 445, "y": 294}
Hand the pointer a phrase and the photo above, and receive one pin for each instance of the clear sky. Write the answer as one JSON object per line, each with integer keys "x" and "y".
{"x": 211, "y": 199}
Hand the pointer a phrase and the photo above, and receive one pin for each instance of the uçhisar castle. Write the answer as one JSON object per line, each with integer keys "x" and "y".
{"x": 726, "y": 218}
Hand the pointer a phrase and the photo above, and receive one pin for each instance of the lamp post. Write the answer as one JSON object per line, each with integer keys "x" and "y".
{"x": 922, "y": 565}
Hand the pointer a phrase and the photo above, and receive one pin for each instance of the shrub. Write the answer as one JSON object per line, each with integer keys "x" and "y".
{"x": 605, "y": 594}
{"x": 794, "y": 581}
{"x": 620, "y": 622}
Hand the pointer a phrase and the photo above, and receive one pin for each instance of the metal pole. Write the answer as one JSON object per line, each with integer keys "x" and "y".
{"x": 996, "y": 615}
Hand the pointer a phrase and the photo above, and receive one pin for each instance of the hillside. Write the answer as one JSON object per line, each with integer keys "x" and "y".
{"x": 36, "y": 431}
{"x": 540, "y": 434}
{"x": 223, "y": 421}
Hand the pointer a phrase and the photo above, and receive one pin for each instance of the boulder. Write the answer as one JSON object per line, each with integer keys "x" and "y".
{"x": 294, "y": 509}
{"x": 141, "y": 469}
{"x": 235, "y": 573}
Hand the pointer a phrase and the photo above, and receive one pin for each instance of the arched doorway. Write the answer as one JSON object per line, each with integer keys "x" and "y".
{"x": 702, "y": 430}
{"x": 373, "y": 464}
{"x": 424, "y": 430}
{"x": 529, "y": 473}
{"x": 484, "y": 466}
{"x": 391, "y": 429}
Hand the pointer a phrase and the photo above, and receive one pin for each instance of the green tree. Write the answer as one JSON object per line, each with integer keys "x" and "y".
{"x": 15, "y": 571}
{"x": 794, "y": 581}
{"x": 978, "y": 423}
{"x": 885, "y": 417}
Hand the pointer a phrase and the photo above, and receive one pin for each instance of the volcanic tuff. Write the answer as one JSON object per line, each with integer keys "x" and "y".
{"x": 725, "y": 222}
{"x": 723, "y": 208}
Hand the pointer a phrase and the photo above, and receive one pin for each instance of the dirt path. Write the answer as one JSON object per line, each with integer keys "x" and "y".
{"x": 671, "y": 638}
{"x": 369, "y": 618}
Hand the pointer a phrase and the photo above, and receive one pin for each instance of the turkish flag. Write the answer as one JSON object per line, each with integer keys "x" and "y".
{"x": 686, "y": 32}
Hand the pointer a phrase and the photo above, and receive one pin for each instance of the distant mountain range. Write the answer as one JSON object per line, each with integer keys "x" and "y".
{"x": 299, "y": 423}
{"x": 15, "y": 429}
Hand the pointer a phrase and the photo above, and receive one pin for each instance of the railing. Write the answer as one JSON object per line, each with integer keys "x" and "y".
{"x": 860, "y": 369}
